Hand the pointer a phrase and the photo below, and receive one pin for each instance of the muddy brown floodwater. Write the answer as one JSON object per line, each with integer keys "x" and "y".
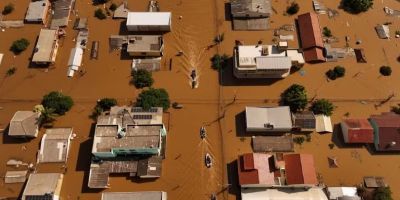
{"x": 184, "y": 175}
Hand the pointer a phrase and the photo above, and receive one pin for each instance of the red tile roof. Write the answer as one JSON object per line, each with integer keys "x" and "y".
{"x": 310, "y": 37}
{"x": 254, "y": 168}
{"x": 300, "y": 169}
{"x": 359, "y": 131}
{"x": 388, "y": 125}
{"x": 310, "y": 31}
{"x": 314, "y": 54}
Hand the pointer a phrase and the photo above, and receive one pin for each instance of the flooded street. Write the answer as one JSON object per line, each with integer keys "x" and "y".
{"x": 215, "y": 104}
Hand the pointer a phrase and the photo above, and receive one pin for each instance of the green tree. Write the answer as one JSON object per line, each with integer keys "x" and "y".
{"x": 47, "y": 116}
{"x": 142, "y": 78}
{"x": 299, "y": 140}
{"x": 99, "y": 14}
{"x": 153, "y": 98}
{"x": 396, "y": 109}
{"x": 57, "y": 101}
{"x": 9, "y": 8}
{"x": 11, "y": 71}
{"x": 295, "y": 97}
{"x": 339, "y": 71}
{"x": 106, "y": 103}
{"x": 322, "y": 106}
{"x": 293, "y": 8}
{"x": 385, "y": 70}
{"x": 219, "y": 62}
{"x": 383, "y": 193}
{"x": 19, "y": 46}
{"x": 113, "y": 7}
{"x": 331, "y": 74}
{"x": 327, "y": 32}
{"x": 357, "y": 6}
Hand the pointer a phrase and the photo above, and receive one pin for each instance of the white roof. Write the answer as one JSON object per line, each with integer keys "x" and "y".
{"x": 323, "y": 124}
{"x": 258, "y": 117}
{"x": 37, "y": 10}
{"x": 148, "y": 18}
{"x": 267, "y": 62}
{"x": 45, "y": 46}
{"x": 75, "y": 58}
{"x": 283, "y": 194}
{"x": 336, "y": 192}
{"x": 43, "y": 183}
{"x": 295, "y": 55}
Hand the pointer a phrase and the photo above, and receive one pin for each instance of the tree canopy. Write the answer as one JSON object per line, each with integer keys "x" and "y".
{"x": 357, "y": 6}
{"x": 295, "y": 97}
{"x": 9, "y": 8}
{"x": 19, "y": 46}
{"x": 99, "y": 14}
{"x": 293, "y": 8}
{"x": 142, "y": 78}
{"x": 385, "y": 71}
{"x": 153, "y": 98}
{"x": 383, "y": 193}
{"x": 219, "y": 62}
{"x": 322, "y": 106}
{"x": 57, "y": 101}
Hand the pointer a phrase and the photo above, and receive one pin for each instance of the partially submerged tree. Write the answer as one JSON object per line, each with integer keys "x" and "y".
{"x": 19, "y": 46}
{"x": 383, "y": 193}
{"x": 103, "y": 105}
{"x": 295, "y": 97}
{"x": 385, "y": 70}
{"x": 337, "y": 72}
{"x": 153, "y": 98}
{"x": 113, "y": 7}
{"x": 59, "y": 102}
{"x": 219, "y": 62}
{"x": 357, "y": 6}
{"x": 9, "y": 8}
{"x": 293, "y": 8}
{"x": 322, "y": 106}
{"x": 327, "y": 32}
{"x": 11, "y": 71}
{"x": 396, "y": 109}
{"x": 142, "y": 78}
{"x": 99, "y": 14}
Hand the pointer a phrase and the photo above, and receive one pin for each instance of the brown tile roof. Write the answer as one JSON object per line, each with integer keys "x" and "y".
{"x": 310, "y": 31}
{"x": 300, "y": 169}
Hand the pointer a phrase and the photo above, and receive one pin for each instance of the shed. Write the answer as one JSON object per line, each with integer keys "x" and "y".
{"x": 304, "y": 121}
{"x": 360, "y": 55}
{"x": 37, "y": 12}
{"x": 374, "y": 182}
{"x": 54, "y": 146}
{"x": 149, "y": 64}
{"x": 149, "y": 21}
{"x": 382, "y": 31}
{"x": 323, "y": 124}
{"x": 75, "y": 58}
{"x": 15, "y": 176}
{"x": 24, "y": 124}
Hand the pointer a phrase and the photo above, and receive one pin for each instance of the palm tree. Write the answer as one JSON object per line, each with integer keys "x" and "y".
{"x": 48, "y": 116}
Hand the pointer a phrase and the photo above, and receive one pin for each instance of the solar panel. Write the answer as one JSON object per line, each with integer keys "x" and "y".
{"x": 142, "y": 116}
{"x": 138, "y": 110}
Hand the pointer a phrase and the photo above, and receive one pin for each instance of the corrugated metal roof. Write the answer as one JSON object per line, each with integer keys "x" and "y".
{"x": 300, "y": 169}
{"x": 310, "y": 30}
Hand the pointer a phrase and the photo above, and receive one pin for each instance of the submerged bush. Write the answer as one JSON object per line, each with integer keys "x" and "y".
{"x": 293, "y": 8}
{"x": 99, "y": 14}
{"x": 385, "y": 70}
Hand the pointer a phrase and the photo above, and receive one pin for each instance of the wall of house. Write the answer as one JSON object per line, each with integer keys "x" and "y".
{"x": 376, "y": 133}
{"x": 345, "y": 132}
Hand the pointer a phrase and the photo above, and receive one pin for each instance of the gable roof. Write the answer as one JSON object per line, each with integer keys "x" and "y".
{"x": 314, "y": 55}
{"x": 310, "y": 31}
{"x": 251, "y": 8}
{"x": 300, "y": 169}
{"x": 387, "y": 127}
{"x": 24, "y": 123}
{"x": 359, "y": 131}
{"x": 254, "y": 168}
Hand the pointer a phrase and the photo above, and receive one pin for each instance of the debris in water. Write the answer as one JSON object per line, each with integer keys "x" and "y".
{"x": 16, "y": 163}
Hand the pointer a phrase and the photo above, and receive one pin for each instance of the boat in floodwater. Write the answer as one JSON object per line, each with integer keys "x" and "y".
{"x": 203, "y": 132}
{"x": 193, "y": 76}
{"x": 208, "y": 160}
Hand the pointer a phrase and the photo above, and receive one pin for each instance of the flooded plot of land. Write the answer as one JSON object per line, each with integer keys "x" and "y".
{"x": 211, "y": 105}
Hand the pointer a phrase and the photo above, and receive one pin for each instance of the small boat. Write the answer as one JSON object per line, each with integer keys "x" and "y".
{"x": 208, "y": 160}
{"x": 176, "y": 105}
{"x": 193, "y": 76}
{"x": 203, "y": 132}
{"x": 213, "y": 197}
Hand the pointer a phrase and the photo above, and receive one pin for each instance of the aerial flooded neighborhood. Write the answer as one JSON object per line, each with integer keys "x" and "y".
{"x": 199, "y": 99}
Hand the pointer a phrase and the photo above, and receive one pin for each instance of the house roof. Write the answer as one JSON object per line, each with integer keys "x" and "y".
{"x": 45, "y": 46}
{"x": 150, "y": 167}
{"x": 300, "y": 169}
{"x": 55, "y": 145}
{"x": 15, "y": 176}
{"x": 40, "y": 184}
{"x": 310, "y": 31}
{"x": 323, "y": 124}
{"x": 24, "y": 123}
{"x": 282, "y": 143}
{"x": 122, "y": 11}
{"x": 387, "y": 126}
{"x": 251, "y": 8}
{"x": 61, "y": 13}
{"x": 37, "y": 10}
{"x": 259, "y": 117}
{"x": 147, "y": 195}
{"x": 337, "y": 192}
{"x": 359, "y": 130}
{"x": 148, "y": 19}
{"x": 305, "y": 119}
{"x": 314, "y": 54}
{"x": 254, "y": 168}
{"x": 382, "y": 31}
{"x": 315, "y": 193}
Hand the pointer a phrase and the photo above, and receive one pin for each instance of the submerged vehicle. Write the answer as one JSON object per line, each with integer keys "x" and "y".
{"x": 208, "y": 160}
{"x": 203, "y": 132}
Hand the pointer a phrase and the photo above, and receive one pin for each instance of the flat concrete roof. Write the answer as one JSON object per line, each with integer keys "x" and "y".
{"x": 144, "y": 43}
{"x": 148, "y": 19}
{"x": 146, "y": 195}
{"x": 55, "y": 145}
{"x": 260, "y": 117}
{"x": 37, "y": 10}
{"x": 40, "y": 184}
{"x": 45, "y": 46}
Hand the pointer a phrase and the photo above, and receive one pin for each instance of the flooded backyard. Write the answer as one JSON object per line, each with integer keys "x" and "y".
{"x": 215, "y": 104}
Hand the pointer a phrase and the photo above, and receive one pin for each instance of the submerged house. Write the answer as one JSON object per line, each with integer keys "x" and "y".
{"x": 24, "y": 124}
{"x": 265, "y": 61}
{"x": 46, "y": 48}
{"x": 145, "y": 195}
{"x": 37, "y": 12}
{"x": 273, "y": 119}
{"x": 149, "y": 21}
{"x": 129, "y": 140}
{"x": 386, "y": 131}
{"x": 311, "y": 37}
{"x": 251, "y": 14}
{"x": 43, "y": 186}
{"x": 357, "y": 131}
{"x": 54, "y": 146}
